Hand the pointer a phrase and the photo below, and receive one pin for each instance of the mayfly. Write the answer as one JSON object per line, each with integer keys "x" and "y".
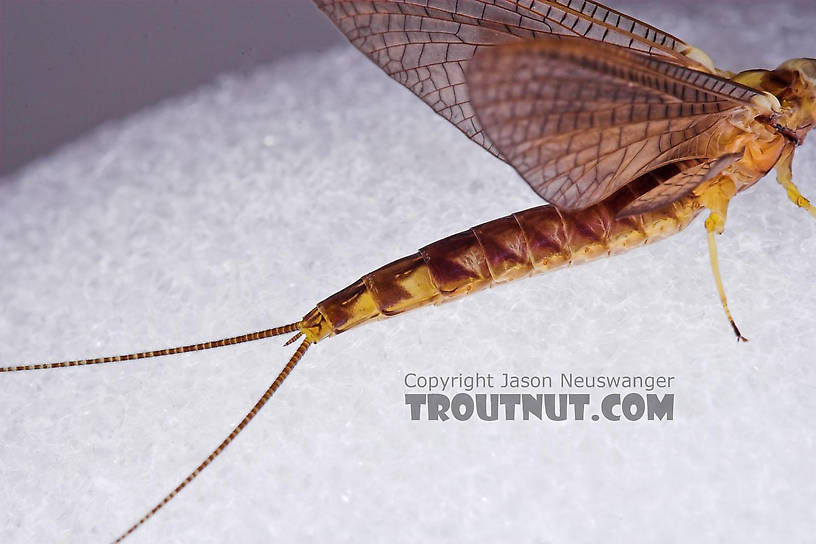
{"x": 628, "y": 132}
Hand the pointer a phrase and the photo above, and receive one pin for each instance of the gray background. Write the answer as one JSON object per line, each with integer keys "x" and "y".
{"x": 66, "y": 67}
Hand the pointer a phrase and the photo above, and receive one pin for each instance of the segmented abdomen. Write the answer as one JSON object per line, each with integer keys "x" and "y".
{"x": 534, "y": 240}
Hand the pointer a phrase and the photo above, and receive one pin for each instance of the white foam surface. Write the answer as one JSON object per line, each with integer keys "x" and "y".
{"x": 240, "y": 205}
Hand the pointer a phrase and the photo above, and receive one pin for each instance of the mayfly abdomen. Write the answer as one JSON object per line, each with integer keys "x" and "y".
{"x": 512, "y": 247}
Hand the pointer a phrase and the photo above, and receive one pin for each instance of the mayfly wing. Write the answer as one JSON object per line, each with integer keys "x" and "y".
{"x": 426, "y": 45}
{"x": 579, "y": 120}
{"x": 679, "y": 185}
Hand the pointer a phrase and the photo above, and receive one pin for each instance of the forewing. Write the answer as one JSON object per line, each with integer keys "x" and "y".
{"x": 679, "y": 185}
{"x": 426, "y": 44}
{"x": 578, "y": 119}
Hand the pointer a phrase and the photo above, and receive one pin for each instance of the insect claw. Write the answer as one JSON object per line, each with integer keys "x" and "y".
{"x": 740, "y": 337}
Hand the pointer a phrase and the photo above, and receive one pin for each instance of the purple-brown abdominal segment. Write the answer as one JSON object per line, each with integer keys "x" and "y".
{"x": 506, "y": 248}
{"x": 457, "y": 264}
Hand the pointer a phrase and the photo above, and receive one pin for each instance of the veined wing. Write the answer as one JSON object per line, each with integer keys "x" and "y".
{"x": 679, "y": 185}
{"x": 426, "y": 44}
{"x": 579, "y": 120}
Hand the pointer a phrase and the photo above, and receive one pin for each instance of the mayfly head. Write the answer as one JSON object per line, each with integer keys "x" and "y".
{"x": 794, "y": 84}
{"x": 804, "y": 68}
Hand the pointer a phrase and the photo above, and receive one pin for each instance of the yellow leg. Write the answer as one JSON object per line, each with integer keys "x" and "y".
{"x": 715, "y": 225}
{"x": 784, "y": 175}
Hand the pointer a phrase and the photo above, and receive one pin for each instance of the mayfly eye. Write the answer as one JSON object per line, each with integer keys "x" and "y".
{"x": 779, "y": 78}
{"x": 808, "y": 68}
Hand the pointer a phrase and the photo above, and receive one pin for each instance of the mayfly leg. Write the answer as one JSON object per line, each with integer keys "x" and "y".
{"x": 714, "y": 225}
{"x": 784, "y": 175}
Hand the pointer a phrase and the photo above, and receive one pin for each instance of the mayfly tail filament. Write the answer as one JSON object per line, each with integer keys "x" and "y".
{"x": 249, "y": 337}
{"x": 238, "y": 428}
{"x": 296, "y": 327}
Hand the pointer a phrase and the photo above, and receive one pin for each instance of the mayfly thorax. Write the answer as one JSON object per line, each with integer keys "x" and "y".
{"x": 627, "y": 132}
